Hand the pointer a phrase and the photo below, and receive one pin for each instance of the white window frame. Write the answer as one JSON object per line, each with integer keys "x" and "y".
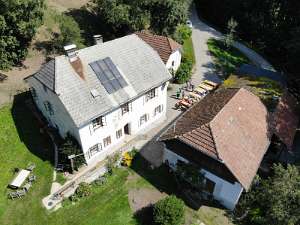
{"x": 119, "y": 133}
{"x": 151, "y": 94}
{"x": 98, "y": 122}
{"x": 125, "y": 108}
{"x": 159, "y": 109}
{"x": 94, "y": 150}
{"x": 106, "y": 141}
{"x": 144, "y": 119}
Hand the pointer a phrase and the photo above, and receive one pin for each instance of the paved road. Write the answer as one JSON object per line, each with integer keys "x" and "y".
{"x": 204, "y": 63}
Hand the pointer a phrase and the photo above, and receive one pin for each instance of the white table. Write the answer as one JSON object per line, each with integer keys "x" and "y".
{"x": 19, "y": 179}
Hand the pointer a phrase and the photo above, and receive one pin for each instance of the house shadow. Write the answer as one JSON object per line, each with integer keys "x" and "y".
{"x": 163, "y": 179}
{"x": 29, "y": 130}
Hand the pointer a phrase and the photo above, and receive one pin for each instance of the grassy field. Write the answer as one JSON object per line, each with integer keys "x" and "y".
{"x": 226, "y": 60}
{"x": 21, "y": 144}
{"x": 188, "y": 49}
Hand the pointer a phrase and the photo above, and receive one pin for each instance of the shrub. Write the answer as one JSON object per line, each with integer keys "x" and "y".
{"x": 182, "y": 33}
{"x": 83, "y": 190}
{"x": 184, "y": 72}
{"x": 128, "y": 157}
{"x": 112, "y": 161}
{"x": 169, "y": 211}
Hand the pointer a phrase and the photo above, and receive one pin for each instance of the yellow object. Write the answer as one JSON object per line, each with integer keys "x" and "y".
{"x": 127, "y": 159}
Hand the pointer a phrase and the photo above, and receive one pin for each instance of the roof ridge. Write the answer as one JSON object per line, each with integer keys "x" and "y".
{"x": 215, "y": 144}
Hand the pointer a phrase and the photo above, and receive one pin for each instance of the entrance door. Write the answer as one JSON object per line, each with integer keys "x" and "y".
{"x": 126, "y": 129}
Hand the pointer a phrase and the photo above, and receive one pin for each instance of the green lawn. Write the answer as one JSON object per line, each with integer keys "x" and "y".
{"x": 226, "y": 60}
{"x": 188, "y": 49}
{"x": 21, "y": 144}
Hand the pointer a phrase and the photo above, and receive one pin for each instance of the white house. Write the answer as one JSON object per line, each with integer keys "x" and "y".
{"x": 103, "y": 93}
{"x": 168, "y": 49}
{"x": 226, "y": 136}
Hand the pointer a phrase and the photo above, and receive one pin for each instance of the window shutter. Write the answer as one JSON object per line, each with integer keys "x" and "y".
{"x": 91, "y": 128}
{"x": 156, "y": 92}
{"x": 120, "y": 113}
{"x": 130, "y": 106}
{"x": 104, "y": 120}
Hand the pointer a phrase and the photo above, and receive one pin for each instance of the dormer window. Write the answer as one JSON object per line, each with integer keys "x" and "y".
{"x": 98, "y": 122}
{"x": 151, "y": 94}
{"x": 125, "y": 108}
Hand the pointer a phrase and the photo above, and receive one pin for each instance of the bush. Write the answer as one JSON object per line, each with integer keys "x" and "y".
{"x": 169, "y": 211}
{"x": 83, "y": 190}
{"x": 182, "y": 33}
{"x": 112, "y": 161}
{"x": 128, "y": 157}
{"x": 184, "y": 72}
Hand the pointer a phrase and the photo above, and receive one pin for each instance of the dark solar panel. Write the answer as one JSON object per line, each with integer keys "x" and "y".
{"x": 108, "y": 74}
{"x": 122, "y": 82}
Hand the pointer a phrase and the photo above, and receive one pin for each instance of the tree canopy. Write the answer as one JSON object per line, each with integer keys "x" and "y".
{"x": 130, "y": 15}
{"x": 19, "y": 21}
{"x": 275, "y": 200}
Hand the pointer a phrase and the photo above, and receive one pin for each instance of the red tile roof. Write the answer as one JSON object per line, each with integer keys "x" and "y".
{"x": 230, "y": 125}
{"x": 164, "y": 46}
{"x": 286, "y": 119}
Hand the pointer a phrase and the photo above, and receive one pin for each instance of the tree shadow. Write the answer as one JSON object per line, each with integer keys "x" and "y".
{"x": 91, "y": 24}
{"x": 29, "y": 130}
{"x": 144, "y": 216}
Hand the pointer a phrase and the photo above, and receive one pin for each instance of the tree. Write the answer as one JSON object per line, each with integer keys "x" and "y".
{"x": 184, "y": 72}
{"x": 132, "y": 15}
{"x": 182, "y": 33}
{"x": 169, "y": 211}
{"x": 71, "y": 147}
{"x": 229, "y": 37}
{"x": 19, "y": 21}
{"x": 168, "y": 14}
{"x": 271, "y": 26}
{"x": 69, "y": 32}
{"x": 275, "y": 200}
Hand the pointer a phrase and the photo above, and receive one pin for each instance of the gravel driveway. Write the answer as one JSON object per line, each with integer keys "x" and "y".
{"x": 204, "y": 63}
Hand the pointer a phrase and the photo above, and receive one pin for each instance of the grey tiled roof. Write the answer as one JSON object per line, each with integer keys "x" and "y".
{"x": 46, "y": 75}
{"x": 139, "y": 64}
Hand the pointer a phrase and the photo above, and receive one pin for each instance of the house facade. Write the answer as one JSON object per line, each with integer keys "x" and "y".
{"x": 104, "y": 94}
{"x": 226, "y": 135}
{"x": 168, "y": 49}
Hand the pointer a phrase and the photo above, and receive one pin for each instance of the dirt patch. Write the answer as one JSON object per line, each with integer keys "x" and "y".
{"x": 141, "y": 198}
{"x": 14, "y": 83}
{"x": 64, "y": 5}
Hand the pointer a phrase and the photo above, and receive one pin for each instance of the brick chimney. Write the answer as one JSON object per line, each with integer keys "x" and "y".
{"x": 71, "y": 52}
